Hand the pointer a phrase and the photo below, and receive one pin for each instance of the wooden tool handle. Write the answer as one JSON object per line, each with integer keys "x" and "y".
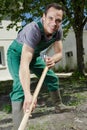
{"x": 26, "y": 115}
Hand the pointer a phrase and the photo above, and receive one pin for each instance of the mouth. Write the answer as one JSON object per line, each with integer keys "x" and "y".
{"x": 52, "y": 29}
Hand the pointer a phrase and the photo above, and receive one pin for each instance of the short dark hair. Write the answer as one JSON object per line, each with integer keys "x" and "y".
{"x": 54, "y": 5}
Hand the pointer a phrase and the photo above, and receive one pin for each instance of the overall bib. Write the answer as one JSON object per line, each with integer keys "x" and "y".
{"x": 37, "y": 65}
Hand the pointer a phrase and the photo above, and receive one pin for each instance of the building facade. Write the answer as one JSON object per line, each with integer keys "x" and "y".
{"x": 6, "y": 38}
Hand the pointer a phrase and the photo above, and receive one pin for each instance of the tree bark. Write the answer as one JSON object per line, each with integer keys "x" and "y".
{"x": 80, "y": 51}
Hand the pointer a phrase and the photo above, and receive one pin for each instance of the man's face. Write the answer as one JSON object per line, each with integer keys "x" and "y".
{"x": 52, "y": 20}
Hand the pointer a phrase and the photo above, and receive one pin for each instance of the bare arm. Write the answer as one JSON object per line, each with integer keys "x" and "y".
{"x": 24, "y": 74}
{"x": 58, "y": 51}
{"x": 50, "y": 61}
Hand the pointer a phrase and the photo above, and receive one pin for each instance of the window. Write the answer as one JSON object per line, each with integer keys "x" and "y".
{"x": 69, "y": 60}
{"x": 1, "y": 25}
{"x": 2, "y": 58}
{"x": 69, "y": 54}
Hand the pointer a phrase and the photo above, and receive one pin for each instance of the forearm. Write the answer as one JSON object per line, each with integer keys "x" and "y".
{"x": 57, "y": 57}
{"x": 24, "y": 71}
{"x": 24, "y": 75}
{"x": 58, "y": 51}
{"x": 25, "y": 81}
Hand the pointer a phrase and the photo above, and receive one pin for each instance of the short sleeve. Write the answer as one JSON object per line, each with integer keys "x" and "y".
{"x": 30, "y": 35}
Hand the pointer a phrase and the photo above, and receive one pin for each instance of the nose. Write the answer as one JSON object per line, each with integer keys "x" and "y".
{"x": 54, "y": 22}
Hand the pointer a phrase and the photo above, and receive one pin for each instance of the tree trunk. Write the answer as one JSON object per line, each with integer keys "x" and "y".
{"x": 80, "y": 51}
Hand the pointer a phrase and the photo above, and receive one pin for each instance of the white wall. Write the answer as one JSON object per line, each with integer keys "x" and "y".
{"x": 85, "y": 47}
{"x": 70, "y": 45}
{"x": 6, "y": 37}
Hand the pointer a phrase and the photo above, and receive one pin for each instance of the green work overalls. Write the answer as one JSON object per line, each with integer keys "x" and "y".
{"x": 36, "y": 66}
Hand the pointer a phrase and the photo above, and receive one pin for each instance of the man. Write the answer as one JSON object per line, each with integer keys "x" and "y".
{"x": 24, "y": 55}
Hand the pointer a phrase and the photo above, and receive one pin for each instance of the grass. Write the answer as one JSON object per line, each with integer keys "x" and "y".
{"x": 72, "y": 91}
{"x": 40, "y": 126}
{"x": 7, "y": 108}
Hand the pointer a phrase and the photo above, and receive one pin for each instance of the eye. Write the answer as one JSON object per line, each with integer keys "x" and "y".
{"x": 58, "y": 20}
{"x": 50, "y": 18}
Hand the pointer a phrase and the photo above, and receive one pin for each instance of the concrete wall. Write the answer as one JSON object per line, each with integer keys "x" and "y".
{"x": 6, "y": 38}
{"x": 85, "y": 47}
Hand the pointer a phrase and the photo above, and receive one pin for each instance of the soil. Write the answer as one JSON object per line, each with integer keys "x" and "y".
{"x": 44, "y": 117}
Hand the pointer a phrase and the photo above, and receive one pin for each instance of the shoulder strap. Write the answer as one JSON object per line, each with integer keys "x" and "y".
{"x": 42, "y": 29}
{"x": 40, "y": 26}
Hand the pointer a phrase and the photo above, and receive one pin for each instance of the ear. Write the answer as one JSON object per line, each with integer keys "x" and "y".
{"x": 43, "y": 17}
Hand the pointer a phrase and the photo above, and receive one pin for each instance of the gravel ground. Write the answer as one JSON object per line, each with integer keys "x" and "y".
{"x": 44, "y": 118}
